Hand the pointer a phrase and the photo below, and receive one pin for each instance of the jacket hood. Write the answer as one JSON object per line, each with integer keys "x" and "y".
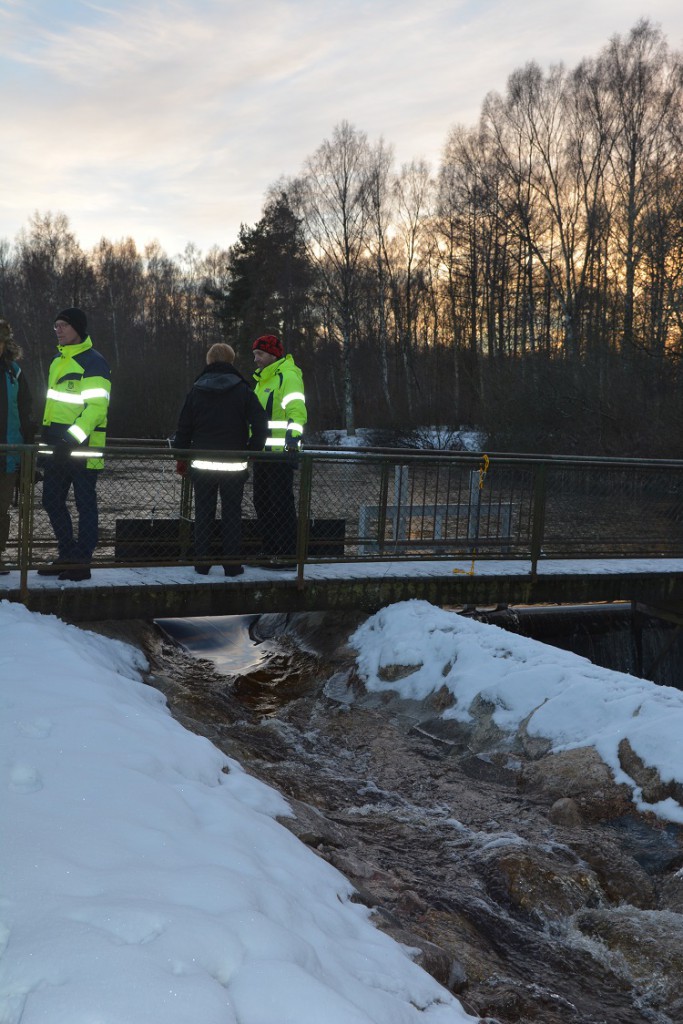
{"x": 218, "y": 377}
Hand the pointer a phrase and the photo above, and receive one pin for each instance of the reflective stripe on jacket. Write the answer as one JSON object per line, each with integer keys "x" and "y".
{"x": 77, "y": 401}
{"x": 280, "y": 390}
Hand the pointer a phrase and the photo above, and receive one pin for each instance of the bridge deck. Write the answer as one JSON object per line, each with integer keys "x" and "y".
{"x": 150, "y": 593}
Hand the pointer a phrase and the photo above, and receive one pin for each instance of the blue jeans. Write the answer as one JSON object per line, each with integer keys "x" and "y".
{"x": 57, "y": 481}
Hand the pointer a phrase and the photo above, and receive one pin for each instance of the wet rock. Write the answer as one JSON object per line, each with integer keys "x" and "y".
{"x": 311, "y": 826}
{"x": 581, "y": 775}
{"x": 453, "y": 734}
{"x": 441, "y": 700}
{"x": 353, "y": 866}
{"x": 484, "y": 733}
{"x": 650, "y": 944}
{"x": 656, "y": 846}
{"x": 534, "y": 747}
{"x": 671, "y": 893}
{"x": 565, "y": 812}
{"x": 457, "y": 978}
{"x": 488, "y": 768}
{"x": 541, "y": 886}
{"x": 431, "y": 957}
{"x": 439, "y": 964}
{"x": 410, "y": 903}
{"x": 653, "y": 788}
{"x": 392, "y": 673}
{"x": 621, "y": 878}
{"x": 510, "y": 1001}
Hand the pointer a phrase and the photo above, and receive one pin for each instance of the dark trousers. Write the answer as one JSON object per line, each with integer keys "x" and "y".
{"x": 275, "y": 507}
{"x": 207, "y": 486}
{"x": 58, "y": 479}
{"x": 7, "y": 484}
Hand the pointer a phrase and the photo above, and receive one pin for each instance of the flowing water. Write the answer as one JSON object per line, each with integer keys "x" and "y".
{"x": 451, "y": 839}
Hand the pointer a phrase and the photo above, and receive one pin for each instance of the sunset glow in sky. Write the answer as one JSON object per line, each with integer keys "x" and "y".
{"x": 168, "y": 120}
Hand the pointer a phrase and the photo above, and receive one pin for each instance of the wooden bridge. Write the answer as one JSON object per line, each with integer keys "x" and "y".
{"x": 375, "y": 527}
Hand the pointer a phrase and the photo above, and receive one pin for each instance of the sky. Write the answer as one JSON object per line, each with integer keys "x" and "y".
{"x": 144, "y": 875}
{"x": 168, "y": 120}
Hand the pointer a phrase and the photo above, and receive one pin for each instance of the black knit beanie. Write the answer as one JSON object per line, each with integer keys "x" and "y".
{"x": 77, "y": 319}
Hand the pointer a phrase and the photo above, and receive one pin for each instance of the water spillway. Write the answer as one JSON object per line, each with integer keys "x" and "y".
{"x": 610, "y": 635}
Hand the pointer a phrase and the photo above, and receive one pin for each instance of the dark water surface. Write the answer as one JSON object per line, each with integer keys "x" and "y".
{"x": 224, "y": 640}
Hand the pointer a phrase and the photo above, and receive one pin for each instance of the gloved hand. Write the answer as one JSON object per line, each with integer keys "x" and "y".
{"x": 292, "y": 442}
{"x": 181, "y": 467}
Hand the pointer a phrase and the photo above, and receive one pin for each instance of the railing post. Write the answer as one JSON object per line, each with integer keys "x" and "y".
{"x": 27, "y": 480}
{"x": 302, "y": 530}
{"x": 474, "y": 505}
{"x": 538, "y": 517}
{"x": 382, "y": 508}
{"x": 184, "y": 525}
{"x": 401, "y": 485}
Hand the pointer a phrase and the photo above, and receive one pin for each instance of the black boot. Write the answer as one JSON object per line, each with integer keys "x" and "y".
{"x": 233, "y": 570}
{"x": 78, "y": 573}
{"x": 53, "y": 568}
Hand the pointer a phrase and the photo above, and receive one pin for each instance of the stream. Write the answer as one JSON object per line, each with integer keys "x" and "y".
{"x": 527, "y": 908}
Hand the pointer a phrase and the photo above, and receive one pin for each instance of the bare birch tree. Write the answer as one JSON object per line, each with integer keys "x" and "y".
{"x": 335, "y": 214}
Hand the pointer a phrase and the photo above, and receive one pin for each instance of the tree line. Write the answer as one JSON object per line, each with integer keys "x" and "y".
{"x": 532, "y": 286}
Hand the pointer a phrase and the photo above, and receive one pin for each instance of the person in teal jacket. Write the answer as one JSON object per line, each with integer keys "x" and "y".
{"x": 280, "y": 390}
{"x": 15, "y": 425}
{"x": 73, "y": 435}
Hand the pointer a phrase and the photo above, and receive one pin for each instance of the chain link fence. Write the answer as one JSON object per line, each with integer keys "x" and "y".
{"x": 375, "y": 505}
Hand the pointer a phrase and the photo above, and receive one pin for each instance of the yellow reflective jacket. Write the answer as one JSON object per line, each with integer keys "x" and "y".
{"x": 280, "y": 390}
{"x": 77, "y": 402}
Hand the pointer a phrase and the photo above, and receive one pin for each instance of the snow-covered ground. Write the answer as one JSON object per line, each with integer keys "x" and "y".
{"x": 144, "y": 876}
{"x": 436, "y": 438}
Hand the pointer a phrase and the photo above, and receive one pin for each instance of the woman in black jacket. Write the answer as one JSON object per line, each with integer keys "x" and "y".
{"x": 15, "y": 425}
{"x": 221, "y": 413}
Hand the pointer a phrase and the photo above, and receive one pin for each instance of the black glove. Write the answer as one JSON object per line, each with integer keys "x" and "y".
{"x": 292, "y": 442}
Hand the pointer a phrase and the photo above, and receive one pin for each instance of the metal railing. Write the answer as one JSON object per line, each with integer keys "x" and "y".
{"x": 379, "y": 505}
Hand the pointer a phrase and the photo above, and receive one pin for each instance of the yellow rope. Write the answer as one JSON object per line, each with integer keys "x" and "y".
{"x": 483, "y": 470}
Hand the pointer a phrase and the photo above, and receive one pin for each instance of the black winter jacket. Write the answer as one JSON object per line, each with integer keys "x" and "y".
{"x": 221, "y": 413}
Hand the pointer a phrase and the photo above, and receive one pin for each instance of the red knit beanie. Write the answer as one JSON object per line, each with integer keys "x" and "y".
{"x": 270, "y": 344}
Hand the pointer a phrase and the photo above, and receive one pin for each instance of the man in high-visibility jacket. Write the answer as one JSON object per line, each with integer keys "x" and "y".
{"x": 73, "y": 435}
{"x": 280, "y": 390}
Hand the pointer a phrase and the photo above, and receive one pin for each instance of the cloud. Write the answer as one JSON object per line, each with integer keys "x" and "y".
{"x": 171, "y": 119}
